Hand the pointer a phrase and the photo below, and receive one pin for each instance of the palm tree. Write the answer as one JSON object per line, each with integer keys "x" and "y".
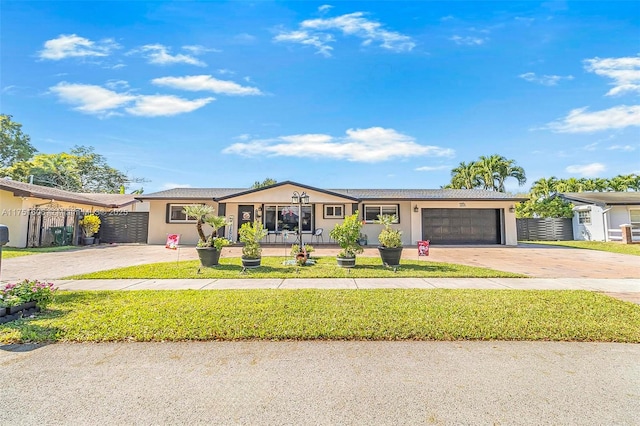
{"x": 464, "y": 177}
{"x": 507, "y": 169}
{"x": 488, "y": 171}
{"x": 200, "y": 212}
{"x": 544, "y": 188}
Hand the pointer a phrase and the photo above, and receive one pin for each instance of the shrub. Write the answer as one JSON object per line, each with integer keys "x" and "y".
{"x": 27, "y": 291}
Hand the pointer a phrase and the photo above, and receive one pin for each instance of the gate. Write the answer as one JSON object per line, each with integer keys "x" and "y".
{"x": 544, "y": 229}
{"x": 51, "y": 227}
{"x": 124, "y": 227}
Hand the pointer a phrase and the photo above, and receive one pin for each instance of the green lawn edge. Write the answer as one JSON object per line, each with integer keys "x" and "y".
{"x": 608, "y": 246}
{"x": 382, "y": 314}
{"x": 11, "y": 252}
{"x": 272, "y": 267}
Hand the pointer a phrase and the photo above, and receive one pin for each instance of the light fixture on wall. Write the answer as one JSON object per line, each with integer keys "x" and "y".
{"x": 416, "y": 209}
{"x": 462, "y": 205}
{"x": 512, "y": 209}
{"x": 259, "y": 212}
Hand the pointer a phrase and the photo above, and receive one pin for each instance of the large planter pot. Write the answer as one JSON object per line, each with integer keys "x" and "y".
{"x": 390, "y": 256}
{"x": 3, "y": 311}
{"x": 346, "y": 262}
{"x": 251, "y": 263}
{"x": 87, "y": 241}
{"x": 209, "y": 256}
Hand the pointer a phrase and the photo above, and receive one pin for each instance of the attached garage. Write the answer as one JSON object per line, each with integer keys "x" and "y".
{"x": 462, "y": 226}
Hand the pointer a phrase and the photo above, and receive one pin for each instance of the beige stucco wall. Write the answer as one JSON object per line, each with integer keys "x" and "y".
{"x": 11, "y": 215}
{"x": 159, "y": 228}
{"x": 410, "y": 221}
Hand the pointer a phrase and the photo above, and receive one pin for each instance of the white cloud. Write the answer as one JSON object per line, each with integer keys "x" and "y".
{"x": 91, "y": 99}
{"x": 224, "y": 71}
{"x": 96, "y": 100}
{"x": 587, "y": 170}
{"x": 591, "y": 146}
{"x": 545, "y": 80}
{"x": 625, "y": 73}
{"x": 74, "y": 46}
{"x": 431, "y": 168}
{"x": 171, "y": 185}
{"x": 581, "y": 121}
{"x": 371, "y": 145}
{"x": 468, "y": 40}
{"x": 196, "y": 49}
{"x": 303, "y": 37}
{"x": 165, "y": 105}
{"x": 325, "y": 8}
{"x": 159, "y": 54}
{"x": 315, "y": 32}
{"x": 624, "y": 148}
{"x": 117, "y": 84}
{"x": 196, "y": 83}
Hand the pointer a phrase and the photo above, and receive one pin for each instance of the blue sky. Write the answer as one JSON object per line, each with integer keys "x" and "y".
{"x": 334, "y": 95}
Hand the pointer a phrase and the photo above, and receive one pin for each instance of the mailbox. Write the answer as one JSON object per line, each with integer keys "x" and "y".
{"x": 4, "y": 234}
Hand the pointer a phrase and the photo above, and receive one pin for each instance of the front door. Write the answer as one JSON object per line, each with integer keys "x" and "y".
{"x": 245, "y": 215}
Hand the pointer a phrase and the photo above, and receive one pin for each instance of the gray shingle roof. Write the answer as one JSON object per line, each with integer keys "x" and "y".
{"x": 23, "y": 189}
{"x": 602, "y": 198}
{"x": 427, "y": 194}
{"x": 191, "y": 193}
{"x": 356, "y": 194}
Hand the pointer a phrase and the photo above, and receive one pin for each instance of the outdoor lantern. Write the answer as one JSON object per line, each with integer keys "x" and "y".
{"x": 415, "y": 208}
{"x": 295, "y": 199}
{"x": 304, "y": 198}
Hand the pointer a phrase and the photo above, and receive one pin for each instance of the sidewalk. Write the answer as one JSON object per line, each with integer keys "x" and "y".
{"x": 625, "y": 289}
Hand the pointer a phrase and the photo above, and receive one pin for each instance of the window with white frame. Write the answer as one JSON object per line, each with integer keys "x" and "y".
{"x": 335, "y": 211}
{"x": 371, "y": 211}
{"x": 176, "y": 214}
{"x": 584, "y": 217}
{"x": 634, "y": 218}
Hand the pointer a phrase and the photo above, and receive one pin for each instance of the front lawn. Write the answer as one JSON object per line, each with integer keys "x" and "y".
{"x": 366, "y": 267}
{"x": 610, "y": 246}
{"x": 395, "y": 314}
{"x": 9, "y": 252}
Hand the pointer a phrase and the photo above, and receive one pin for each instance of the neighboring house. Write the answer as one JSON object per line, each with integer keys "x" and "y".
{"x": 32, "y": 211}
{"x": 599, "y": 215}
{"x": 443, "y": 216}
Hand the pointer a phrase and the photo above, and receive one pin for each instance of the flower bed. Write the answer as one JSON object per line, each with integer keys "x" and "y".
{"x": 24, "y": 298}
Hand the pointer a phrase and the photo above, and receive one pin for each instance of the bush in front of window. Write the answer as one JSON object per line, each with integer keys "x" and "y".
{"x": 389, "y": 237}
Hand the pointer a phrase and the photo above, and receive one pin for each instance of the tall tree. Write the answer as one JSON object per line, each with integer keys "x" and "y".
{"x": 82, "y": 170}
{"x": 15, "y": 146}
{"x": 464, "y": 177}
{"x": 267, "y": 182}
{"x": 488, "y": 173}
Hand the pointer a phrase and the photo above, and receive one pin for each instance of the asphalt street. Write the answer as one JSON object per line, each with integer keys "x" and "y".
{"x": 321, "y": 383}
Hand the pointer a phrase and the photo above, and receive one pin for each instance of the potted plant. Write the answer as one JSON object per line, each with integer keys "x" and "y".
{"x": 24, "y": 298}
{"x": 390, "y": 240}
{"x": 301, "y": 253}
{"x": 347, "y": 234}
{"x": 209, "y": 246}
{"x": 90, "y": 225}
{"x": 250, "y": 235}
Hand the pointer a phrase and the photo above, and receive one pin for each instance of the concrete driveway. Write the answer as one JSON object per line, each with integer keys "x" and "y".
{"x": 534, "y": 261}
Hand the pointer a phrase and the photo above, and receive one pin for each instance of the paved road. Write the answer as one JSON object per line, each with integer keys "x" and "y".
{"x": 322, "y": 383}
{"x": 528, "y": 259}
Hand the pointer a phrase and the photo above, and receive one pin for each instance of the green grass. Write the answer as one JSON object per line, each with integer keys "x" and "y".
{"x": 9, "y": 252}
{"x": 272, "y": 267}
{"x": 610, "y": 246}
{"x": 395, "y": 314}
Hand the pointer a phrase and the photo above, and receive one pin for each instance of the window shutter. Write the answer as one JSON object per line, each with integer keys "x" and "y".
{"x": 354, "y": 207}
{"x": 222, "y": 209}
{"x": 168, "y": 213}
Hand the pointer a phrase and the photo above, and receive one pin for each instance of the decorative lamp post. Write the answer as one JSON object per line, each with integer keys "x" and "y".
{"x": 300, "y": 200}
